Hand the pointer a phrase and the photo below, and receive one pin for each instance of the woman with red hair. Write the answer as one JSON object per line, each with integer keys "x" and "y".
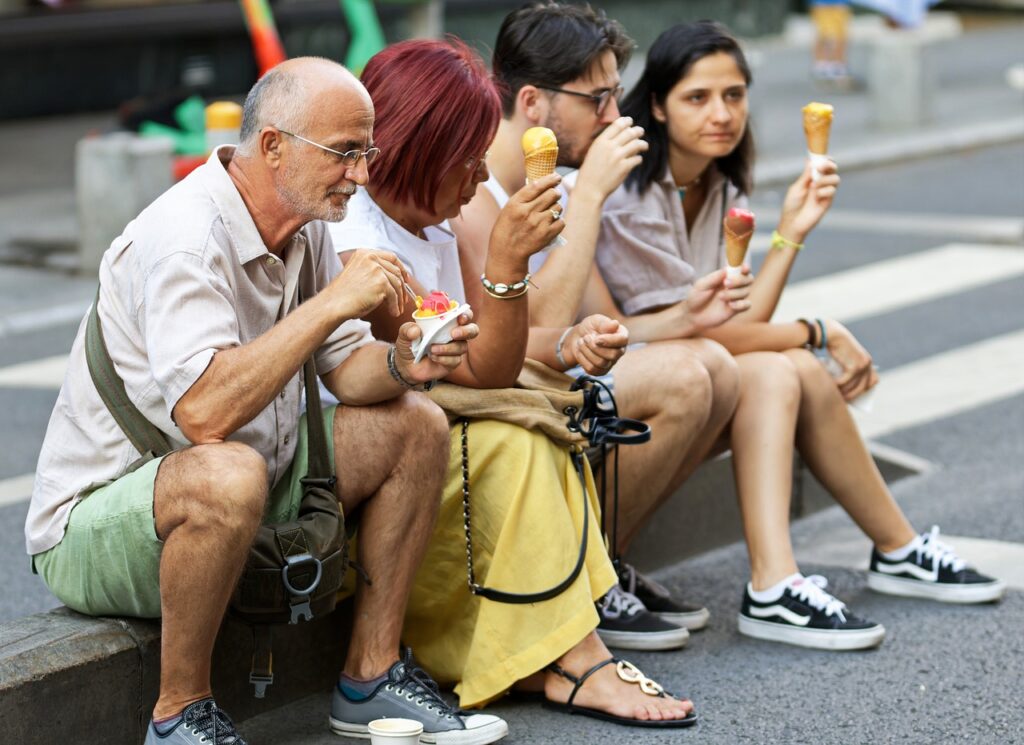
{"x": 437, "y": 111}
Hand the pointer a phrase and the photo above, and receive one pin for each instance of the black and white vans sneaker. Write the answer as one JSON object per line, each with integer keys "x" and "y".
{"x": 932, "y": 570}
{"x": 659, "y": 601}
{"x": 807, "y": 616}
{"x": 626, "y": 624}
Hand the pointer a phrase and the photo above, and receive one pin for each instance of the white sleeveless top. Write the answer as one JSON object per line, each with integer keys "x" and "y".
{"x": 501, "y": 197}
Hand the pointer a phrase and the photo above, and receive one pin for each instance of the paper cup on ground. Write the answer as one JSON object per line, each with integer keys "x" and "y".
{"x": 395, "y": 732}
{"x": 435, "y": 329}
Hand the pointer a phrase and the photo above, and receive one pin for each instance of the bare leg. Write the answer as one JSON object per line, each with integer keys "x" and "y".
{"x": 762, "y": 447}
{"x": 393, "y": 457}
{"x": 605, "y": 690}
{"x": 207, "y": 503}
{"x": 686, "y": 392}
{"x": 829, "y": 441}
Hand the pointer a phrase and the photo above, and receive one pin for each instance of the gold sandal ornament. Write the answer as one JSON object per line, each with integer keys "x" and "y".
{"x": 630, "y": 673}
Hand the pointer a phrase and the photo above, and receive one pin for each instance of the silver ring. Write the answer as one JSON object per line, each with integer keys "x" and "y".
{"x": 557, "y": 214}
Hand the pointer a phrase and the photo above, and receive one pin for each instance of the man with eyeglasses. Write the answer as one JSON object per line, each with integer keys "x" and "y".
{"x": 199, "y": 307}
{"x": 560, "y": 67}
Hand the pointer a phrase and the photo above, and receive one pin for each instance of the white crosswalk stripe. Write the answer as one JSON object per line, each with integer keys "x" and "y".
{"x": 889, "y": 285}
{"x": 44, "y": 373}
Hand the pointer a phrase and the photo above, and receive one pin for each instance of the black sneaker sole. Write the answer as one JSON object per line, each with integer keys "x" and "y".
{"x": 651, "y": 641}
{"x": 837, "y": 640}
{"x": 986, "y": 592}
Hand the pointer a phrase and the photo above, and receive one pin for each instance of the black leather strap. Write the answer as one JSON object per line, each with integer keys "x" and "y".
{"x": 579, "y": 681}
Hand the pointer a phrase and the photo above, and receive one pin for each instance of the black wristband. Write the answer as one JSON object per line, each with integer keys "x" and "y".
{"x": 812, "y": 334}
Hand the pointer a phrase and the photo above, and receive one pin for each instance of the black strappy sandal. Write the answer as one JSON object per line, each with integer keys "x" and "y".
{"x": 628, "y": 673}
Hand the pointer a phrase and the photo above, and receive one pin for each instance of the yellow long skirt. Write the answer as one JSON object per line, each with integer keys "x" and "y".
{"x": 527, "y": 520}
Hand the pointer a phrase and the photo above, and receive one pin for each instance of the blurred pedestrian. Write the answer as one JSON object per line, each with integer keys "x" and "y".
{"x": 829, "y": 66}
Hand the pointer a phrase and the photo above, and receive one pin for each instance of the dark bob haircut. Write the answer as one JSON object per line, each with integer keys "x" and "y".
{"x": 550, "y": 44}
{"x": 670, "y": 59}
{"x": 436, "y": 105}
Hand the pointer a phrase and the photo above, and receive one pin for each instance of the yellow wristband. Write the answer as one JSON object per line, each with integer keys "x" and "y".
{"x": 779, "y": 242}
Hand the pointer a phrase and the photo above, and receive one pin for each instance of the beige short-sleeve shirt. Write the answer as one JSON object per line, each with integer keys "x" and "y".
{"x": 190, "y": 276}
{"x": 645, "y": 253}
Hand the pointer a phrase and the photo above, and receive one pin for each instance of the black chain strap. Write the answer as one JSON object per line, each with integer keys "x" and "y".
{"x": 520, "y": 598}
{"x": 601, "y": 426}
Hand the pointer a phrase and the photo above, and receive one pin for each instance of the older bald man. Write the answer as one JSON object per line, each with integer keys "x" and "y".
{"x": 200, "y": 314}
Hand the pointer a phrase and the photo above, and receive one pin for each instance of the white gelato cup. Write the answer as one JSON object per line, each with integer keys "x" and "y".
{"x": 436, "y": 330}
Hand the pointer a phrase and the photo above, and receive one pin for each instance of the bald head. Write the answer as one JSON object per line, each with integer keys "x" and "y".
{"x": 294, "y": 94}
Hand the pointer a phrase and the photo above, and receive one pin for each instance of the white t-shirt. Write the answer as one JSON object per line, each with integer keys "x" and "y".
{"x": 433, "y": 261}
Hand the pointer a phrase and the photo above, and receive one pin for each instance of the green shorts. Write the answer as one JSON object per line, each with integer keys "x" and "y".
{"x": 108, "y": 563}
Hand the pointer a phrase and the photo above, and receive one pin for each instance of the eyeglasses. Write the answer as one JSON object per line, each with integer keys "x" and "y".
{"x": 600, "y": 99}
{"x": 348, "y": 158}
{"x": 473, "y": 162}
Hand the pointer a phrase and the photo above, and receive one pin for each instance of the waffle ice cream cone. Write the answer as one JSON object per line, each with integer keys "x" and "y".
{"x": 738, "y": 229}
{"x": 817, "y": 125}
{"x": 540, "y": 151}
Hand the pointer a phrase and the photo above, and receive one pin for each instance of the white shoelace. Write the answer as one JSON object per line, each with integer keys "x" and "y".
{"x": 618, "y": 602}
{"x": 812, "y": 592}
{"x": 940, "y": 553}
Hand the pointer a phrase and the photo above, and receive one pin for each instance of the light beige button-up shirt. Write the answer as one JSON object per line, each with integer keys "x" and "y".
{"x": 188, "y": 277}
{"x": 645, "y": 253}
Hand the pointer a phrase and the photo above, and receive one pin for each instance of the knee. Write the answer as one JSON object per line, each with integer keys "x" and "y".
{"x": 770, "y": 376}
{"x": 690, "y": 383}
{"x": 722, "y": 367}
{"x": 231, "y": 486}
{"x": 815, "y": 380}
{"x": 424, "y": 426}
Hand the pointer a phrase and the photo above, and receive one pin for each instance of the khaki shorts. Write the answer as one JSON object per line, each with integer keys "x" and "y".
{"x": 108, "y": 563}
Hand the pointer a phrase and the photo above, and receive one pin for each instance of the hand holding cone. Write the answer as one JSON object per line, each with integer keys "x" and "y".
{"x": 738, "y": 229}
{"x": 817, "y": 127}
{"x": 540, "y": 150}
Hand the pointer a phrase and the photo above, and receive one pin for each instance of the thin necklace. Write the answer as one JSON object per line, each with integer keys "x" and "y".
{"x": 682, "y": 189}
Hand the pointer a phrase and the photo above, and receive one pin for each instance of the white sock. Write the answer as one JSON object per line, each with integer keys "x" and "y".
{"x": 902, "y": 551}
{"x": 775, "y": 591}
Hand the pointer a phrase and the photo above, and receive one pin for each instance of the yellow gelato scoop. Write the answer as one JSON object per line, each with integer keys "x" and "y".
{"x": 817, "y": 125}
{"x": 540, "y": 150}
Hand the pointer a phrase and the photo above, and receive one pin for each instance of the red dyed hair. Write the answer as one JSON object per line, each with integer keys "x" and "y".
{"x": 436, "y": 105}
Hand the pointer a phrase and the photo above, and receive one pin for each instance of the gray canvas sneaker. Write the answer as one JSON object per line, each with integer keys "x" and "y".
{"x": 410, "y": 693}
{"x": 202, "y": 723}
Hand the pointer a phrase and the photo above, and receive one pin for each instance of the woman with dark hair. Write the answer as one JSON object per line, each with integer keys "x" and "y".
{"x": 436, "y": 113}
{"x": 662, "y": 228}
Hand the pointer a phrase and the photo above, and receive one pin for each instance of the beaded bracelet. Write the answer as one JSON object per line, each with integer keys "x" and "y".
{"x": 393, "y": 370}
{"x": 502, "y": 290}
{"x": 778, "y": 241}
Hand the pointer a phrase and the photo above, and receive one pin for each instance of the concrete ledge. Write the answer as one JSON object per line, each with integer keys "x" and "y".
{"x": 93, "y": 681}
{"x": 65, "y": 677}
